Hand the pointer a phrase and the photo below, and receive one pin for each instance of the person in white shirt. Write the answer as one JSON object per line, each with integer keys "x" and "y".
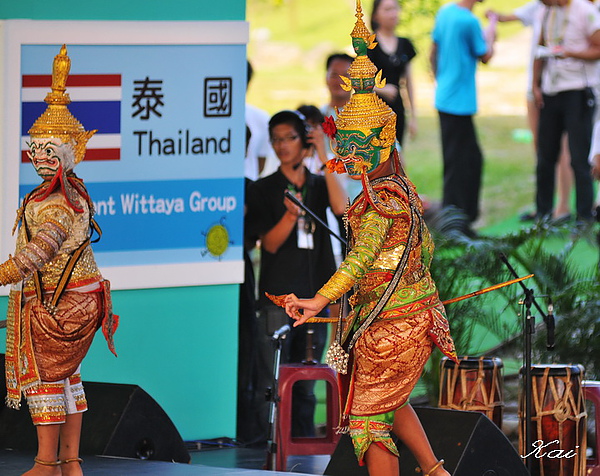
{"x": 562, "y": 86}
{"x": 526, "y": 14}
{"x": 259, "y": 147}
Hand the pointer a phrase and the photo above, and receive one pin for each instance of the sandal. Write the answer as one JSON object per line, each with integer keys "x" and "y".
{"x": 436, "y": 466}
{"x": 46, "y": 463}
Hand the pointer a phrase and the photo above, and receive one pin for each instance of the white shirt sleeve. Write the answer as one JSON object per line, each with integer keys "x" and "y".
{"x": 526, "y": 13}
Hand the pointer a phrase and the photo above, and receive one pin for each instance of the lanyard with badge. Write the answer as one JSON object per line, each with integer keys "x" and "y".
{"x": 554, "y": 26}
{"x": 305, "y": 226}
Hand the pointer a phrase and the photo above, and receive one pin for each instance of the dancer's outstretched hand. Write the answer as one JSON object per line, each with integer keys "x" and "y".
{"x": 301, "y": 310}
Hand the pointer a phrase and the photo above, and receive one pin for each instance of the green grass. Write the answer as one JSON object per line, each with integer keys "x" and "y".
{"x": 508, "y": 183}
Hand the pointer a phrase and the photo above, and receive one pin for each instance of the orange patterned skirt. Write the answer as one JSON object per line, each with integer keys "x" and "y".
{"x": 388, "y": 360}
{"x": 46, "y": 347}
{"x": 61, "y": 342}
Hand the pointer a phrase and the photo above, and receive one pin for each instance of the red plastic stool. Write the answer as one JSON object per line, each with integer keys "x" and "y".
{"x": 288, "y": 445}
{"x": 592, "y": 394}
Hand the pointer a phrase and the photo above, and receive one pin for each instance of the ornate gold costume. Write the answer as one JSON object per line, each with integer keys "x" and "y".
{"x": 59, "y": 298}
{"x": 397, "y": 316}
{"x": 388, "y": 357}
{"x": 377, "y": 242}
{"x": 56, "y": 232}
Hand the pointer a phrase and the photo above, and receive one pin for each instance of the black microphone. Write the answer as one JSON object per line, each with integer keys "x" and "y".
{"x": 281, "y": 332}
{"x": 550, "y": 326}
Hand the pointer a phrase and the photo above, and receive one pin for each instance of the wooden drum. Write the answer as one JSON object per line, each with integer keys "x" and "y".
{"x": 558, "y": 421}
{"x": 475, "y": 384}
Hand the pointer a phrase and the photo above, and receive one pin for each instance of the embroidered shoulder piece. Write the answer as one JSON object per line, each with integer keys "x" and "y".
{"x": 389, "y": 196}
{"x": 58, "y": 214}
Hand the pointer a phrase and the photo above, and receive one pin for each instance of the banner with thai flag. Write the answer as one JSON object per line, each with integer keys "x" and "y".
{"x": 96, "y": 103}
{"x": 165, "y": 167}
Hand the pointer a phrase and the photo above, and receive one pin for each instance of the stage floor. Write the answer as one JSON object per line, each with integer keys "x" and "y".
{"x": 213, "y": 462}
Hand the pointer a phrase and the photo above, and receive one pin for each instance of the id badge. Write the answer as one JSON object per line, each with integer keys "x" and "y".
{"x": 305, "y": 239}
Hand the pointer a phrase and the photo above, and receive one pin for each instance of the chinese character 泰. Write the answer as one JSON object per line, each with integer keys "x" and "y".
{"x": 147, "y": 97}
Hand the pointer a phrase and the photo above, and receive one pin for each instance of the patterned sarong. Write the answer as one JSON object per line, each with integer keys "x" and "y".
{"x": 46, "y": 347}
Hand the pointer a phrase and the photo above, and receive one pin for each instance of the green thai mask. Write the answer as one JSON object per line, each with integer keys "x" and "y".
{"x": 360, "y": 46}
{"x": 358, "y": 151}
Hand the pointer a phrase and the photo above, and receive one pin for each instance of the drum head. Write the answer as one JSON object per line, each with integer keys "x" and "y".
{"x": 466, "y": 362}
{"x": 555, "y": 370}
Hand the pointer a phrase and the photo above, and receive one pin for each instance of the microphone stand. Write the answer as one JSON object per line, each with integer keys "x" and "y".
{"x": 273, "y": 397}
{"x": 528, "y": 329}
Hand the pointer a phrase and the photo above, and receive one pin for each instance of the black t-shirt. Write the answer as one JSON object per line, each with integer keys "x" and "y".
{"x": 291, "y": 269}
{"x": 394, "y": 65}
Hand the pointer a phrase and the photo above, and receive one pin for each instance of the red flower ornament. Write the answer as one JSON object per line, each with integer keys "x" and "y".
{"x": 329, "y": 127}
{"x": 335, "y": 166}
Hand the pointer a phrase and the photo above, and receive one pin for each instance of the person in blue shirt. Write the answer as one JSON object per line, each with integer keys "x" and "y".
{"x": 458, "y": 46}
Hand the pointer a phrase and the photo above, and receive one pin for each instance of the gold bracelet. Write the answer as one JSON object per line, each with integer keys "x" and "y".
{"x": 336, "y": 286}
{"x": 9, "y": 273}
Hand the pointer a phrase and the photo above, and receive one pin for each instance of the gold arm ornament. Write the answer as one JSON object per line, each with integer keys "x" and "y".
{"x": 279, "y": 300}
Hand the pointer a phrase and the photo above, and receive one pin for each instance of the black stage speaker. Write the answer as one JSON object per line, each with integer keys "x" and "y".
{"x": 469, "y": 442}
{"x": 122, "y": 420}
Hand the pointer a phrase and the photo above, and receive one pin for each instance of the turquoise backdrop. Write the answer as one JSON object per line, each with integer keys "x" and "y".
{"x": 178, "y": 344}
{"x": 119, "y": 10}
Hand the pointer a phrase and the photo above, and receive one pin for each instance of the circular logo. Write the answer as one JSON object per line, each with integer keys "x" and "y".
{"x": 217, "y": 240}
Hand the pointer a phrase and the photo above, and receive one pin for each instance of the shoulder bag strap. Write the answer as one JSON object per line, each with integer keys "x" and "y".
{"x": 65, "y": 277}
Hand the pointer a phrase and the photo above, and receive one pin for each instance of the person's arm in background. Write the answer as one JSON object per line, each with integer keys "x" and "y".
{"x": 536, "y": 87}
{"x": 525, "y": 14}
{"x": 412, "y": 105}
{"x": 489, "y": 35}
{"x": 595, "y": 152}
{"x": 275, "y": 237}
{"x": 433, "y": 59}
{"x": 591, "y": 53}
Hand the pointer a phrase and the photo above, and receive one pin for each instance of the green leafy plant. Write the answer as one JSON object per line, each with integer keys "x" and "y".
{"x": 493, "y": 321}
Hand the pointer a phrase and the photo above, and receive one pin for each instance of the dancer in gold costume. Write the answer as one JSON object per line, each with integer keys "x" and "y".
{"x": 397, "y": 317}
{"x": 58, "y": 299}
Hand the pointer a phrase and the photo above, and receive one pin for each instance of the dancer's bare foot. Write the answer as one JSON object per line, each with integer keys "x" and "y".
{"x": 437, "y": 470}
{"x": 440, "y": 472}
{"x": 44, "y": 468}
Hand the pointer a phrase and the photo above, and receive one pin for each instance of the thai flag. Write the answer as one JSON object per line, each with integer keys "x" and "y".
{"x": 96, "y": 103}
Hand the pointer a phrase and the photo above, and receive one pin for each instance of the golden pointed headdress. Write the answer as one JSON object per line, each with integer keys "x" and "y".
{"x": 365, "y": 110}
{"x": 360, "y": 29}
{"x": 57, "y": 121}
